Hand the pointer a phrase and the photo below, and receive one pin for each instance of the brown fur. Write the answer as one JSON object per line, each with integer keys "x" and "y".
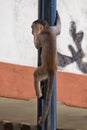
{"x": 45, "y": 38}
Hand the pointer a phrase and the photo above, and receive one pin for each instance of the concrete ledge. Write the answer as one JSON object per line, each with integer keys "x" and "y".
{"x": 25, "y": 112}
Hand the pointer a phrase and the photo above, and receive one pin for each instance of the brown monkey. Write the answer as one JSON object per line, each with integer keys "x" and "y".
{"x": 45, "y": 38}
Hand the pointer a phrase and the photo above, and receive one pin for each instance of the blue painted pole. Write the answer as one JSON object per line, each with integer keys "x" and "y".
{"x": 47, "y": 11}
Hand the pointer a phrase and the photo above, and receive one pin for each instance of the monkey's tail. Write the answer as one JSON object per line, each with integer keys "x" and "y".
{"x": 48, "y": 98}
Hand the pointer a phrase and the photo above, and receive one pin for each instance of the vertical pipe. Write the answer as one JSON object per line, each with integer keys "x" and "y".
{"x": 47, "y": 11}
{"x": 40, "y": 103}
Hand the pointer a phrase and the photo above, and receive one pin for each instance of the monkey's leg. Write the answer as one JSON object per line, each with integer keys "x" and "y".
{"x": 39, "y": 74}
{"x": 48, "y": 99}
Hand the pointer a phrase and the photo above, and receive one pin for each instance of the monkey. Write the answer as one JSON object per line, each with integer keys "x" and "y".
{"x": 45, "y": 38}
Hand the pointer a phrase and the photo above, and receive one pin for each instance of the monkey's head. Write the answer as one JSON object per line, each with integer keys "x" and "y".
{"x": 38, "y": 25}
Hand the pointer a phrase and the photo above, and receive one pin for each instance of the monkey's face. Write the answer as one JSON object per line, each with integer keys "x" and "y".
{"x": 36, "y": 28}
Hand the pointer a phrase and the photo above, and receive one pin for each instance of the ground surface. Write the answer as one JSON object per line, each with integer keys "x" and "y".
{"x": 20, "y": 111}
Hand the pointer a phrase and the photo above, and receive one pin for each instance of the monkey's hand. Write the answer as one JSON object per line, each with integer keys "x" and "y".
{"x": 58, "y": 23}
{"x": 57, "y": 28}
{"x": 36, "y": 42}
{"x": 57, "y": 14}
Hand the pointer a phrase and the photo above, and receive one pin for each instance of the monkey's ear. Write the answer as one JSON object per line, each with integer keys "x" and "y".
{"x": 46, "y": 25}
{"x": 41, "y": 26}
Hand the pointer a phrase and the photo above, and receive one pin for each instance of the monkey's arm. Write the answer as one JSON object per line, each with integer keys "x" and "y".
{"x": 36, "y": 42}
{"x": 57, "y": 28}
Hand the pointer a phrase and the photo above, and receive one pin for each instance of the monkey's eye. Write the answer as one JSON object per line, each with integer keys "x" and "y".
{"x": 33, "y": 27}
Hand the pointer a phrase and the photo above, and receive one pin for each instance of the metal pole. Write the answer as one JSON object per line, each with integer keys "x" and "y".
{"x": 47, "y": 11}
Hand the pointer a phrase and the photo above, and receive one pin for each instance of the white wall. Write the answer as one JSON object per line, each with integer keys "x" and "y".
{"x": 16, "y": 41}
{"x": 7, "y": 30}
{"x": 72, "y": 10}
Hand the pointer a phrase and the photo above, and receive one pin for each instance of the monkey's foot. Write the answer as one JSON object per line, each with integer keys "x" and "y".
{"x": 39, "y": 95}
{"x": 41, "y": 121}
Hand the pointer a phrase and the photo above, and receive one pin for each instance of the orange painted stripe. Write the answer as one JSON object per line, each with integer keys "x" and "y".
{"x": 72, "y": 89}
{"x": 17, "y": 82}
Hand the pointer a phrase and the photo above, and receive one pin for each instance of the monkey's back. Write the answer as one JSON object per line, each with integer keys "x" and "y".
{"x": 49, "y": 53}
